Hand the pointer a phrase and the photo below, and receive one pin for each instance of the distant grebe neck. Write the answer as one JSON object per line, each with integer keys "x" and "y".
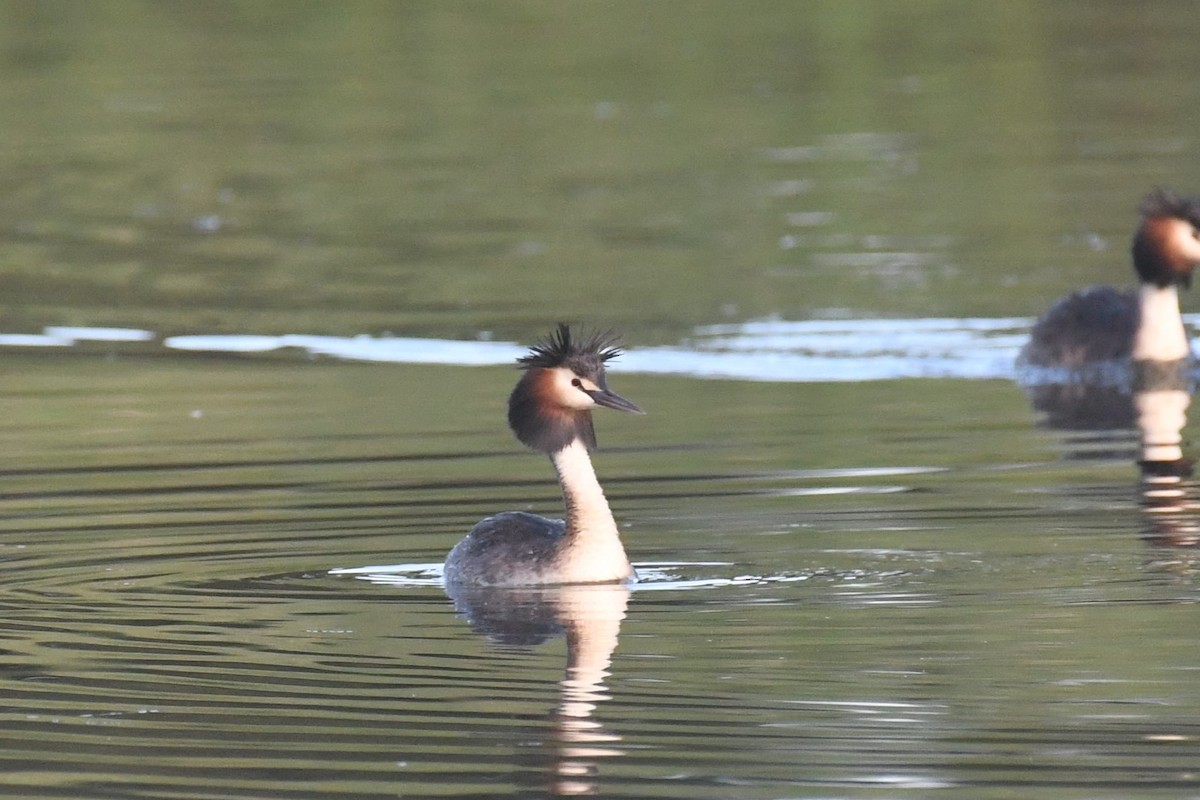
{"x": 1160, "y": 335}
{"x": 593, "y": 550}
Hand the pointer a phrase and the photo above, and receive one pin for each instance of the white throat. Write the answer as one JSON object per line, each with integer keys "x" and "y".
{"x": 1160, "y": 335}
{"x": 592, "y": 549}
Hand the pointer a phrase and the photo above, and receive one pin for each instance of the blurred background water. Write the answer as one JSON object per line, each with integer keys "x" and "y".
{"x": 263, "y": 267}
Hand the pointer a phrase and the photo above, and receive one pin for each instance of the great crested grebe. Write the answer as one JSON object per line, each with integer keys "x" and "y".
{"x": 1102, "y": 324}
{"x": 550, "y": 410}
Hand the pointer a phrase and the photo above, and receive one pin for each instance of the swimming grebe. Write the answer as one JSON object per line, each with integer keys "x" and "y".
{"x": 550, "y": 410}
{"x": 1100, "y": 324}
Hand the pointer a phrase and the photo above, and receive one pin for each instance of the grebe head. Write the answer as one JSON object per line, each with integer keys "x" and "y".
{"x": 564, "y": 380}
{"x": 1166, "y": 247}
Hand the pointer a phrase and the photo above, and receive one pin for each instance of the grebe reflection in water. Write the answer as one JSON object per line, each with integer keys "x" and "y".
{"x": 589, "y": 617}
{"x": 1168, "y": 495}
{"x": 550, "y": 410}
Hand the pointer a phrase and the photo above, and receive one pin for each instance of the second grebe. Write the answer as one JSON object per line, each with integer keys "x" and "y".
{"x": 1100, "y": 324}
{"x": 550, "y": 410}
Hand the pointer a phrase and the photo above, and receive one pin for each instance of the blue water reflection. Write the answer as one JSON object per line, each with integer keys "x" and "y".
{"x": 766, "y": 350}
{"x": 814, "y": 351}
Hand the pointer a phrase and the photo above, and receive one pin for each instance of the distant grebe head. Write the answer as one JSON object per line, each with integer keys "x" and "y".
{"x": 1166, "y": 247}
{"x": 564, "y": 380}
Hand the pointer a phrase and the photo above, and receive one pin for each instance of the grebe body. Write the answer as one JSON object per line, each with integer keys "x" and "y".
{"x": 1102, "y": 324}
{"x": 550, "y": 411}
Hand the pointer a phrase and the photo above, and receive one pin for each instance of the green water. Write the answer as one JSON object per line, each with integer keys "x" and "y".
{"x": 862, "y": 598}
{"x": 447, "y": 168}
{"x": 886, "y": 589}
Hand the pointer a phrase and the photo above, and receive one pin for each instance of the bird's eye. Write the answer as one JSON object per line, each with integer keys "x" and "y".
{"x": 578, "y": 384}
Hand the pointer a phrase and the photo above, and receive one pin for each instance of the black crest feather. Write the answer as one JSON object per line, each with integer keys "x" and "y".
{"x": 1164, "y": 203}
{"x": 550, "y": 432}
{"x": 586, "y": 355}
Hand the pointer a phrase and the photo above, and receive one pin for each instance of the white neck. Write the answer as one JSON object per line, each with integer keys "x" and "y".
{"x": 1160, "y": 335}
{"x": 592, "y": 549}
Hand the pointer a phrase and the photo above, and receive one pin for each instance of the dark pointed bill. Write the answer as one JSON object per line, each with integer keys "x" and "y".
{"x": 604, "y": 397}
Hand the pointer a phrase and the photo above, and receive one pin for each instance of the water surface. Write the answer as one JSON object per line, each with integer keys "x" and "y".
{"x": 874, "y": 599}
{"x": 266, "y": 267}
